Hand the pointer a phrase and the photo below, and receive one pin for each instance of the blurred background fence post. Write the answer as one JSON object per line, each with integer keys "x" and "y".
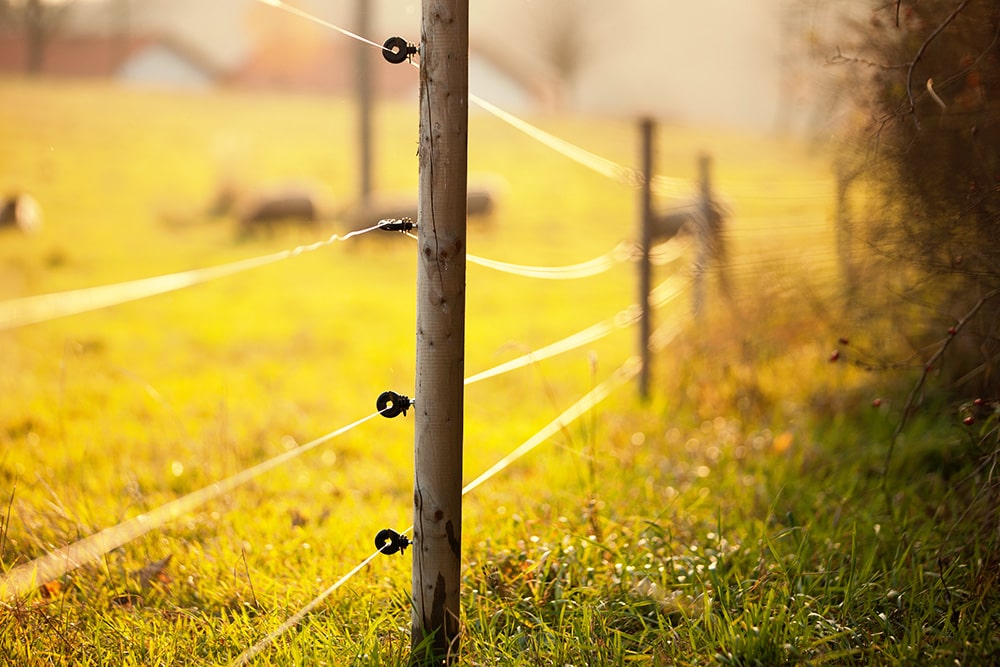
{"x": 702, "y": 233}
{"x": 440, "y": 365}
{"x": 646, "y": 131}
{"x": 844, "y": 231}
{"x": 364, "y": 93}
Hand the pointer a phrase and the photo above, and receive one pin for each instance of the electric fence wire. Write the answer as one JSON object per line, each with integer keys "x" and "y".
{"x": 24, "y": 578}
{"x": 621, "y": 253}
{"x": 35, "y": 309}
{"x": 291, "y": 9}
{"x": 20, "y": 312}
{"x": 588, "y": 402}
{"x": 594, "y": 267}
{"x": 661, "y": 185}
{"x": 660, "y": 338}
{"x": 665, "y": 253}
{"x": 44, "y": 307}
{"x": 293, "y": 620}
{"x": 665, "y": 292}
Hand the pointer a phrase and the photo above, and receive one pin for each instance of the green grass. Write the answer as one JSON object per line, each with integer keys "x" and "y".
{"x": 739, "y": 518}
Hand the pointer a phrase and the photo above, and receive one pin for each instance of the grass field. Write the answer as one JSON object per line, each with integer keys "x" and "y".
{"x": 740, "y": 517}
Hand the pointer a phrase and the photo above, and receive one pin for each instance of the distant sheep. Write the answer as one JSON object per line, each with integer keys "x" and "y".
{"x": 666, "y": 226}
{"x": 481, "y": 201}
{"x": 379, "y": 207}
{"x": 481, "y": 204}
{"x": 684, "y": 218}
{"x": 265, "y": 210}
{"x": 485, "y": 191}
{"x": 20, "y": 211}
{"x": 268, "y": 209}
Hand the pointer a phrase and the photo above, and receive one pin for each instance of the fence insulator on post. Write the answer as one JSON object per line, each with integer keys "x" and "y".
{"x": 440, "y": 368}
{"x": 389, "y": 542}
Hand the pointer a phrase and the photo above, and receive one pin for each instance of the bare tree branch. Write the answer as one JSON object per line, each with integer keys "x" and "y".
{"x": 920, "y": 54}
{"x": 928, "y": 367}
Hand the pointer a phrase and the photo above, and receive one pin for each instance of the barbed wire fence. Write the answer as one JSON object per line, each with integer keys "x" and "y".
{"x": 20, "y": 580}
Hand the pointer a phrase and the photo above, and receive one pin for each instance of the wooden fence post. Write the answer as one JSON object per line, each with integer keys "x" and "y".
{"x": 703, "y": 234}
{"x": 440, "y": 365}
{"x": 645, "y": 240}
{"x": 844, "y": 231}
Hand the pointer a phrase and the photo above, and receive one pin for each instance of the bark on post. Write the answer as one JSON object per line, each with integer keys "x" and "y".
{"x": 440, "y": 366}
{"x": 645, "y": 240}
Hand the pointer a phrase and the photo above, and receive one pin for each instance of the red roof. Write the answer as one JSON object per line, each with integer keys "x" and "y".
{"x": 326, "y": 65}
{"x": 329, "y": 67}
{"x": 87, "y": 56}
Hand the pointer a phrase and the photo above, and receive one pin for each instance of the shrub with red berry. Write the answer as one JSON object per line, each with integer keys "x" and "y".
{"x": 927, "y": 74}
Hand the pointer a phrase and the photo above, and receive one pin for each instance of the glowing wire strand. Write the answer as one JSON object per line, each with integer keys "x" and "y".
{"x": 666, "y": 253}
{"x": 624, "y": 373}
{"x": 660, "y": 338}
{"x": 24, "y": 578}
{"x": 55, "y": 564}
{"x": 614, "y": 171}
{"x": 661, "y": 295}
{"x": 36, "y": 309}
{"x": 315, "y": 19}
{"x": 662, "y": 185}
{"x": 590, "y": 160}
{"x": 592, "y": 267}
{"x": 45, "y": 307}
{"x": 293, "y": 620}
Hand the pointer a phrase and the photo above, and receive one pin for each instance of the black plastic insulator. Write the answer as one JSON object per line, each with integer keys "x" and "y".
{"x": 397, "y": 225}
{"x": 388, "y": 542}
{"x": 397, "y": 50}
{"x": 390, "y": 404}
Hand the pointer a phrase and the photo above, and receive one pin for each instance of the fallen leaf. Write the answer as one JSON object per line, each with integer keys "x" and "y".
{"x": 153, "y": 572}
{"x": 126, "y": 600}
{"x": 782, "y": 441}
{"x": 50, "y": 590}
